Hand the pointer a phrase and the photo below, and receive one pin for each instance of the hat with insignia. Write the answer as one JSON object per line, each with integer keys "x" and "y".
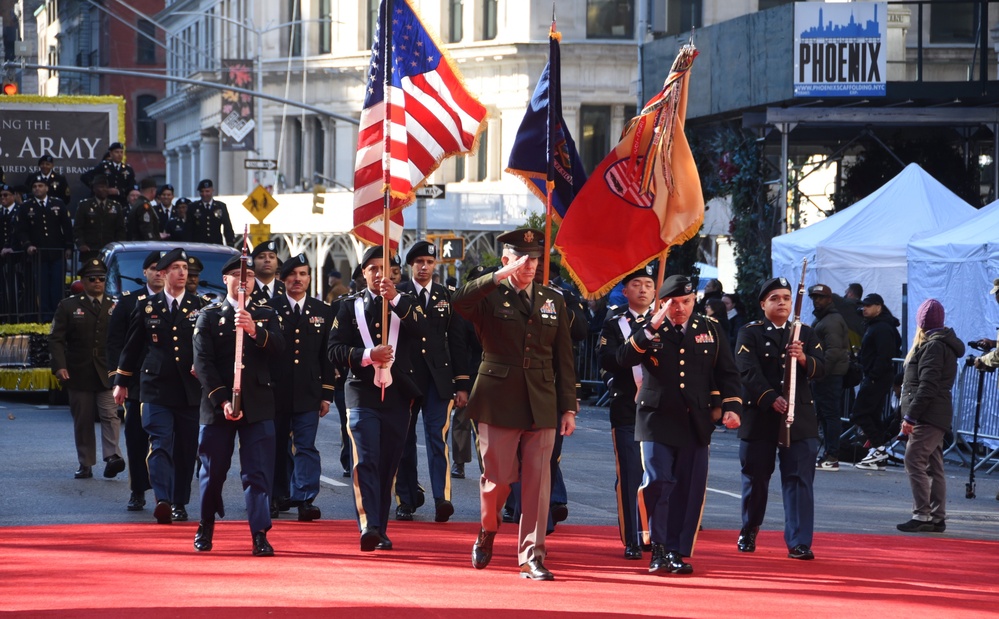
{"x": 293, "y": 263}
{"x": 45, "y": 159}
{"x": 270, "y": 246}
{"x": 92, "y": 267}
{"x": 995, "y": 282}
{"x": 115, "y": 146}
{"x": 396, "y": 260}
{"x": 152, "y": 259}
{"x": 194, "y": 265}
{"x": 174, "y": 255}
{"x": 180, "y": 201}
{"x": 166, "y": 187}
{"x": 773, "y": 284}
{"x": 99, "y": 179}
{"x": 873, "y": 299}
{"x": 233, "y": 265}
{"x": 205, "y": 183}
{"x": 820, "y": 290}
{"x": 419, "y": 250}
{"x": 646, "y": 271}
{"x": 676, "y": 286}
{"x": 523, "y": 242}
{"x": 372, "y": 253}
{"x": 6, "y": 187}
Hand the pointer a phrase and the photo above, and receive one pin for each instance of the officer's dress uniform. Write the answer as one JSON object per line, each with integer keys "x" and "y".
{"x": 78, "y": 344}
{"x": 159, "y": 346}
{"x": 526, "y": 378}
{"x": 211, "y": 223}
{"x": 686, "y": 372}
{"x": 46, "y": 225}
{"x": 303, "y": 379}
{"x": 58, "y": 185}
{"x": 97, "y": 224}
{"x": 760, "y": 355}
{"x": 143, "y": 223}
{"x": 435, "y": 375}
{"x": 120, "y": 176}
{"x": 618, "y": 326}
{"x": 266, "y": 292}
{"x": 10, "y": 274}
{"x": 136, "y": 438}
{"x": 214, "y": 360}
{"x": 178, "y": 230}
{"x": 377, "y": 427}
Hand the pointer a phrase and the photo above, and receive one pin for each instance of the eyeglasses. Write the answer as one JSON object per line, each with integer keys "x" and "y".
{"x": 96, "y": 278}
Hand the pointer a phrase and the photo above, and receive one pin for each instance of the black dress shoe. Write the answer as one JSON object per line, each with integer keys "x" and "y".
{"x": 275, "y": 512}
{"x": 458, "y": 470}
{"x": 136, "y": 502}
{"x": 801, "y": 552}
{"x": 534, "y": 570}
{"x": 370, "y": 538}
{"x": 162, "y": 512}
{"x": 178, "y": 513}
{"x": 115, "y": 464}
{"x": 421, "y": 497}
{"x": 385, "y": 544}
{"x": 283, "y": 503}
{"x": 203, "y": 538}
{"x": 633, "y": 552}
{"x": 443, "y": 510}
{"x": 261, "y": 547}
{"x": 676, "y": 565}
{"x": 404, "y": 512}
{"x": 346, "y": 473}
{"x": 307, "y": 512}
{"x": 747, "y": 539}
{"x": 559, "y": 512}
{"x": 84, "y": 472}
{"x": 659, "y": 563}
{"x": 482, "y": 551}
{"x": 507, "y": 515}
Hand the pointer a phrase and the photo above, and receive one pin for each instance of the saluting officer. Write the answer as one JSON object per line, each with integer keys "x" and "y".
{"x": 99, "y": 221}
{"x": 211, "y": 217}
{"x": 58, "y": 186}
{"x": 377, "y": 426}
{"x": 303, "y": 388}
{"x": 689, "y": 382}
{"x": 623, "y": 382}
{"x": 762, "y": 348}
{"x": 252, "y": 422}
{"x": 136, "y": 438}
{"x": 164, "y": 323}
{"x": 46, "y": 230}
{"x": 436, "y": 364}
{"x": 120, "y": 175}
{"x": 265, "y": 266}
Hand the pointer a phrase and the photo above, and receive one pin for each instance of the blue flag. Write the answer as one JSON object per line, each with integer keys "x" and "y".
{"x": 543, "y": 153}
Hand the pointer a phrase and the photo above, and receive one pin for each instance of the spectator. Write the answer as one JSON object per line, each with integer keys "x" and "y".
{"x": 832, "y": 332}
{"x": 851, "y": 308}
{"x": 880, "y": 345}
{"x": 337, "y": 289}
{"x": 930, "y": 369}
{"x": 715, "y": 308}
{"x": 712, "y": 290}
{"x": 99, "y": 221}
{"x": 735, "y": 312}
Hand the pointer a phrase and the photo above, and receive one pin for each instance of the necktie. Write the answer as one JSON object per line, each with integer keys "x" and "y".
{"x": 97, "y": 305}
{"x": 267, "y": 292}
{"x": 174, "y": 307}
{"x": 423, "y": 298}
{"x": 298, "y": 310}
{"x": 526, "y": 300}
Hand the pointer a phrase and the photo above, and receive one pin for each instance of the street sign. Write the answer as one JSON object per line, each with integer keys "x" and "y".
{"x": 432, "y": 192}
{"x": 452, "y": 249}
{"x": 260, "y": 203}
{"x": 259, "y": 164}
{"x": 259, "y": 233}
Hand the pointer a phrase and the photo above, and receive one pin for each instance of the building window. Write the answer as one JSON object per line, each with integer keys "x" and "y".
{"x": 957, "y": 22}
{"x": 595, "y": 128}
{"x": 325, "y": 41}
{"x": 489, "y": 16}
{"x": 145, "y": 42}
{"x": 769, "y": 4}
{"x": 372, "y": 22}
{"x": 456, "y": 17}
{"x": 295, "y": 28}
{"x": 610, "y": 19}
{"x": 318, "y": 148}
{"x": 145, "y": 126}
{"x": 683, "y": 15}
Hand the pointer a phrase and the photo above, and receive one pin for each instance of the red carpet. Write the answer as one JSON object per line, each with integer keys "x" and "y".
{"x": 152, "y": 571}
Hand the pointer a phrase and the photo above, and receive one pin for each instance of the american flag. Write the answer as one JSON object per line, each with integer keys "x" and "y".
{"x": 431, "y": 115}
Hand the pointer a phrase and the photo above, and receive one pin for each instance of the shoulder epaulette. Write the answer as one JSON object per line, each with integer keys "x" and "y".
{"x": 212, "y": 306}
{"x": 755, "y": 323}
{"x": 711, "y": 318}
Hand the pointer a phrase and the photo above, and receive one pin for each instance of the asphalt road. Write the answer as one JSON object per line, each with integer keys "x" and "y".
{"x": 37, "y": 461}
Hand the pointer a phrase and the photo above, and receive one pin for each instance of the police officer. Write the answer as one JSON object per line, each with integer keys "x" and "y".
{"x": 303, "y": 388}
{"x": 164, "y": 323}
{"x": 120, "y": 175}
{"x": 762, "y": 349}
{"x": 99, "y": 221}
{"x": 210, "y": 217}
{"x": 265, "y": 266}
{"x": 79, "y": 360}
{"x": 47, "y": 231}
{"x": 58, "y": 186}
{"x": 377, "y": 425}
{"x": 436, "y": 365}
{"x": 623, "y": 382}
{"x": 251, "y": 419}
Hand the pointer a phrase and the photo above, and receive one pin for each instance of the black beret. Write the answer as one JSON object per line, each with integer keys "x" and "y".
{"x": 6, "y": 187}
{"x": 396, "y": 260}
{"x": 194, "y": 265}
{"x": 372, "y": 253}
{"x": 233, "y": 264}
{"x": 647, "y": 271}
{"x": 270, "y": 246}
{"x": 174, "y": 255}
{"x": 205, "y": 184}
{"x": 92, "y": 267}
{"x": 293, "y": 263}
{"x": 99, "y": 179}
{"x": 45, "y": 159}
{"x": 115, "y": 146}
{"x": 179, "y": 201}
{"x": 774, "y": 284}
{"x": 167, "y": 187}
{"x": 355, "y": 273}
{"x": 676, "y": 286}
{"x": 152, "y": 259}
{"x": 523, "y": 242}
{"x": 419, "y": 250}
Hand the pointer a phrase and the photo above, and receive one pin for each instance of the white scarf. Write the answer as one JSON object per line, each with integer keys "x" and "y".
{"x": 383, "y": 373}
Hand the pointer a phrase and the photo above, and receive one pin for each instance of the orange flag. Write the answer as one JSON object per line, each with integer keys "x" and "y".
{"x": 644, "y": 197}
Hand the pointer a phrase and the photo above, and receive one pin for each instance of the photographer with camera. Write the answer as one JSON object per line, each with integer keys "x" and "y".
{"x": 987, "y": 362}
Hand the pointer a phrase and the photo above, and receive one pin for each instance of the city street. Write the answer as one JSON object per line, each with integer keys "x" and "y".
{"x": 38, "y": 460}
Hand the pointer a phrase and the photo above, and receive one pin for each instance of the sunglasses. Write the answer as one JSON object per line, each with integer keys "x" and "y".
{"x": 96, "y": 278}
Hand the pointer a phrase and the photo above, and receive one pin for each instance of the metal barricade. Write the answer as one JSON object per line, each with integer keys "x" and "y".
{"x": 965, "y": 400}
{"x": 22, "y": 278}
{"x": 588, "y": 366}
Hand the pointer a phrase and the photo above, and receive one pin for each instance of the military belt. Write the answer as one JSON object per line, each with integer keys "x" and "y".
{"x": 524, "y": 362}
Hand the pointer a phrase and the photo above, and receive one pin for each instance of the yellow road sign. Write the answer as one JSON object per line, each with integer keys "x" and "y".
{"x": 259, "y": 233}
{"x": 260, "y": 203}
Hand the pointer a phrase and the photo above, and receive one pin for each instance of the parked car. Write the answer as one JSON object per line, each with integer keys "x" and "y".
{"x": 124, "y": 262}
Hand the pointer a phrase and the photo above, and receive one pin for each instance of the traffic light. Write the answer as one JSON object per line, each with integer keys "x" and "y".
{"x": 318, "y": 198}
{"x": 9, "y": 87}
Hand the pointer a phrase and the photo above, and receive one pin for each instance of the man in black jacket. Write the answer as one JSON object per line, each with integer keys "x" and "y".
{"x": 834, "y": 335}
{"x": 880, "y": 345}
{"x": 223, "y": 419}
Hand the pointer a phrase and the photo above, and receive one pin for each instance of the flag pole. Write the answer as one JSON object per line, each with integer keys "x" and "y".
{"x": 386, "y": 161}
{"x": 550, "y": 180}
